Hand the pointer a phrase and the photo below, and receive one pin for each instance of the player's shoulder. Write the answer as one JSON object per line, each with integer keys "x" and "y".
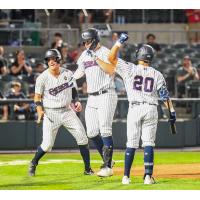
{"x": 66, "y": 72}
{"x": 43, "y": 75}
{"x": 82, "y": 56}
{"x": 158, "y": 73}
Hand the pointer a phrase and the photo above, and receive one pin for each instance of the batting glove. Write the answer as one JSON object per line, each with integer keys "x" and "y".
{"x": 91, "y": 54}
{"x": 122, "y": 38}
{"x": 172, "y": 118}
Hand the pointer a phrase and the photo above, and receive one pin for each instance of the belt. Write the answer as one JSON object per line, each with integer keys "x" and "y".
{"x": 55, "y": 108}
{"x": 99, "y": 92}
{"x": 139, "y": 103}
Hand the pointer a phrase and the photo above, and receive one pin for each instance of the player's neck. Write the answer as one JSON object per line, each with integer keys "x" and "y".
{"x": 55, "y": 72}
{"x": 144, "y": 64}
{"x": 98, "y": 47}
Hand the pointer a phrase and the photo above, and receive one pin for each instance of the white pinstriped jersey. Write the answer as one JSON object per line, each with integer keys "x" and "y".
{"x": 142, "y": 84}
{"x": 96, "y": 78}
{"x": 55, "y": 92}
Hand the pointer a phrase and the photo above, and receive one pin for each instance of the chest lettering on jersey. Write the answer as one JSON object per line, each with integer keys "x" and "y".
{"x": 58, "y": 89}
{"x": 147, "y": 82}
{"x": 90, "y": 63}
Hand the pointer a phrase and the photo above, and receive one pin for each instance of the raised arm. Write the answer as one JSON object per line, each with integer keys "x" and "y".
{"x": 112, "y": 57}
{"x": 109, "y": 68}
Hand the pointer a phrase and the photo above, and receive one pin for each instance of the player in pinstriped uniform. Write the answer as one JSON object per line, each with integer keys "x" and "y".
{"x": 102, "y": 99}
{"x": 144, "y": 85}
{"x": 54, "y": 99}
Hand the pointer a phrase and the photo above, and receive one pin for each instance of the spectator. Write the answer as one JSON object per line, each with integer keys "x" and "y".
{"x": 39, "y": 68}
{"x": 77, "y": 52}
{"x": 20, "y": 65}
{"x": 193, "y": 15}
{"x": 3, "y": 62}
{"x": 32, "y": 114}
{"x": 151, "y": 41}
{"x": 185, "y": 73}
{"x": 112, "y": 40}
{"x": 66, "y": 58}
{"x": 107, "y": 14}
{"x": 193, "y": 19}
{"x": 82, "y": 18}
{"x": 58, "y": 41}
{"x": 20, "y": 109}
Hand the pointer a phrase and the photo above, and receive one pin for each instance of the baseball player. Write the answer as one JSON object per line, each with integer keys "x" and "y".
{"x": 54, "y": 100}
{"x": 102, "y": 98}
{"x": 144, "y": 85}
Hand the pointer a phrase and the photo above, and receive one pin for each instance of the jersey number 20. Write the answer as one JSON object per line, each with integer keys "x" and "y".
{"x": 139, "y": 81}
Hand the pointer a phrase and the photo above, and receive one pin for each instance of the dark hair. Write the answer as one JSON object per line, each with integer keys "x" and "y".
{"x": 151, "y": 35}
{"x": 58, "y": 34}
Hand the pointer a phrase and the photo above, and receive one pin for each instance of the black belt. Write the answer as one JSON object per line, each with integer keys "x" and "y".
{"x": 56, "y": 108}
{"x": 143, "y": 102}
{"x": 99, "y": 92}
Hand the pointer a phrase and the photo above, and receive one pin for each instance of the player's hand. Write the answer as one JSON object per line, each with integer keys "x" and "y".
{"x": 40, "y": 116}
{"x": 123, "y": 38}
{"x": 172, "y": 118}
{"x": 77, "y": 107}
{"x": 91, "y": 54}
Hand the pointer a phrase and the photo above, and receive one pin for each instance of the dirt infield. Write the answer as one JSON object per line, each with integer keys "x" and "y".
{"x": 167, "y": 171}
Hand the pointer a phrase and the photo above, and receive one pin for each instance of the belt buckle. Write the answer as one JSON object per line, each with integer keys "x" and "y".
{"x": 100, "y": 92}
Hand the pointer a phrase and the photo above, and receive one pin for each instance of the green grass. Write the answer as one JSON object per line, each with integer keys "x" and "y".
{"x": 69, "y": 175}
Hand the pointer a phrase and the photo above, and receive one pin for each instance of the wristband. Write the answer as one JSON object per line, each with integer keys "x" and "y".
{"x": 38, "y": 103}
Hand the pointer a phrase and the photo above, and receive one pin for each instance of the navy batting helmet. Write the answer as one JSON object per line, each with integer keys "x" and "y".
{"x": 145, "y": 53}
{"x": 91, "y": 35}
{"x": 53, "y": 53}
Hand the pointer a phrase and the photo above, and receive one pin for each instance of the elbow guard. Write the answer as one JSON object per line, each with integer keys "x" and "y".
{"x": 75, "y": 96}
{"x": 164, "y": 93}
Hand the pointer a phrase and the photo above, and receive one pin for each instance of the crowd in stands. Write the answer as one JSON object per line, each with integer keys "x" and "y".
{"x": 178, "y": 62}
{"x": 18, "y": 74}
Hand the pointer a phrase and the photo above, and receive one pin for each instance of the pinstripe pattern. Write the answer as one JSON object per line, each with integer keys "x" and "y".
{"x": 128, "y": 73}
{"x": 142, "y": 85}
{"x": 52, "y": 89}
{"x": 99, "y": 114}
{"x": 96, "y": 78}
{"x": 57, "y": 96}
{"x": 100, "y": 109}
{"x": 59, "y": 117}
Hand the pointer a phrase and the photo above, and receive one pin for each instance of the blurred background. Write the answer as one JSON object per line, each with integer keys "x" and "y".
{"x": 25, "y": 35}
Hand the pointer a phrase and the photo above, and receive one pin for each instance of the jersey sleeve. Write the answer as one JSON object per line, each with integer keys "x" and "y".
{"x": 40, "y": 84}
{"x": 161, "y": 81}
{"x": 123, "y": 68}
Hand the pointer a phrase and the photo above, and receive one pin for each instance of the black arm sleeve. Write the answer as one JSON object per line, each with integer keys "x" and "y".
{"x": 75, "y": 96}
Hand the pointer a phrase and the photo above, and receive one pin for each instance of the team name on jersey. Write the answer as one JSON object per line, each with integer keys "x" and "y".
{"x": 58, "y": 89}
{"x": 90, "y": 63}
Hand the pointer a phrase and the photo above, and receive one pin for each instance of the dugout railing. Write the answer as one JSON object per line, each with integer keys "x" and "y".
{"x": 27, "y": 134}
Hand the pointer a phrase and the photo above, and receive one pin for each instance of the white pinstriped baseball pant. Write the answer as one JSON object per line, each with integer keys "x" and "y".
{"x": 54, "y": 119}
{"x": 142, "y": 122}
{"x": 99, "y": 114}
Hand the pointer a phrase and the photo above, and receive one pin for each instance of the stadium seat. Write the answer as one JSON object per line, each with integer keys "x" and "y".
{"x": 179, "y": 46}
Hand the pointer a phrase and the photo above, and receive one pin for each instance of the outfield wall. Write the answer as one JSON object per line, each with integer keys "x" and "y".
{"x": 28, "y": 135}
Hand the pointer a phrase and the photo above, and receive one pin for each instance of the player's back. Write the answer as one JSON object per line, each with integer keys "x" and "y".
{"x": 142, "y": 83}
